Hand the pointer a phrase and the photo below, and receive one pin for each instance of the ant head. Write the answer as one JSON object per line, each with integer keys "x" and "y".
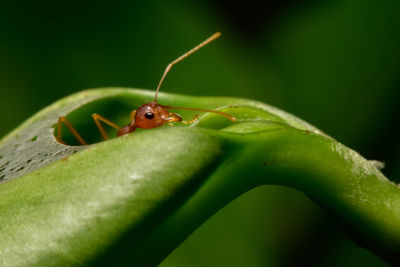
{"x": 150, "y": 115}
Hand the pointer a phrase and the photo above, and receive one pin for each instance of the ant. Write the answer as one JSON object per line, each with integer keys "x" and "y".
{"x": 149, "y": 115}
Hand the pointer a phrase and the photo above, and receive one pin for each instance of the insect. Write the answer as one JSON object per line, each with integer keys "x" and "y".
{"x": 149, "y": 115}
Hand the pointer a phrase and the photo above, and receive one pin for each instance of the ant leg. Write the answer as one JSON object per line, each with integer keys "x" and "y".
{"x": 97, "y": 118}
{"x": 192, "y": 120}
{"x": 172, "y": 117}
{"x": 74, "y": 132}
{"x": 177, "y": 117}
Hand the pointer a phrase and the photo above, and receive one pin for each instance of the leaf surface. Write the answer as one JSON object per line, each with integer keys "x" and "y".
{"x": 133, "y": 199}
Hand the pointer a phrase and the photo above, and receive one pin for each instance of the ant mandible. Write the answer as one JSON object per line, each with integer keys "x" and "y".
{"x": 149, "y": 115}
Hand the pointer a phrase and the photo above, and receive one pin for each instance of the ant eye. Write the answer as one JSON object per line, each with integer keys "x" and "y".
{"x": 149, "y": 115}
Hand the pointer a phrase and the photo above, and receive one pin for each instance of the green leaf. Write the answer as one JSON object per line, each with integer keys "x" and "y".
{"x": 133, "y": 199}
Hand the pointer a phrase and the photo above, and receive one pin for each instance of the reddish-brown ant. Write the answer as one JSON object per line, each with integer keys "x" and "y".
{"x": 149, "y": 115}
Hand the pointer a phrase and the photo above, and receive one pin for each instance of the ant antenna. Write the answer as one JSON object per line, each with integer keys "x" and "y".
{"x": 191, "y": 51}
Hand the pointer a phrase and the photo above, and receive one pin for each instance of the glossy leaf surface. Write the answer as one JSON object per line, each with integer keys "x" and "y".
{"x": 133, "y": 199}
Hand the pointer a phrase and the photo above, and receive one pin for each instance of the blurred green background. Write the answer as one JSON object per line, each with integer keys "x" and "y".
{"x": 333, "y": 63}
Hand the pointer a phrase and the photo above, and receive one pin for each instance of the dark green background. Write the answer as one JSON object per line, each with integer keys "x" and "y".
{"x": 333, "y": 63}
